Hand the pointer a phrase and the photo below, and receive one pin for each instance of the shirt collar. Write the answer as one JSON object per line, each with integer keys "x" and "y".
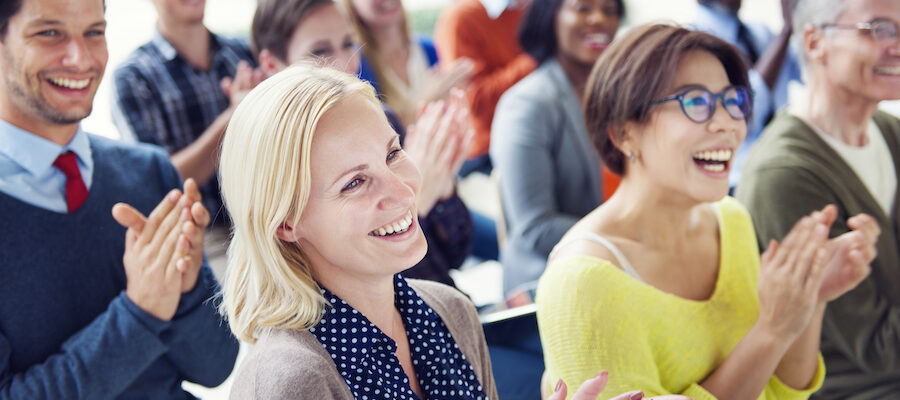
{"x": 495, "y": 7}
{"x": 340, "y": 316}
{"x": 36, "y": 154}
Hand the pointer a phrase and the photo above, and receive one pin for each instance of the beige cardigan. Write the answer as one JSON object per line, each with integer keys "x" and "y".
{"x": 292, "y": 364}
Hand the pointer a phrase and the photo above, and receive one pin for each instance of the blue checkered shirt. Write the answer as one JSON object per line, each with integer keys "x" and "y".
{"x": 161, "y": 99}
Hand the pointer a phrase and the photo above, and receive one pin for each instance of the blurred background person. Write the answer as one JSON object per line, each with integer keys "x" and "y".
{"x": 484, "y": 32}
{"x": 401, "y": 66}
{"x": 669, "y": 252}
{"x": 177, "y": 91}
{"x": 773, "y": 63}
{"x": 549, "y": 172}
{"x": 835, "y": 147}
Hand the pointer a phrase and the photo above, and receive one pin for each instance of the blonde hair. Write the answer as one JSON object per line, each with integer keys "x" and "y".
{"x": 264, "y": 174}
{"x": 390, "y": 93}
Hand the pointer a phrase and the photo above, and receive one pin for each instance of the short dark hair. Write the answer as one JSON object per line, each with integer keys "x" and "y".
{"x": 275, "y": 21}
{"x": 537, "y": 32}
{"x": 8, "y": 8}
{"x": 635, "y": 70}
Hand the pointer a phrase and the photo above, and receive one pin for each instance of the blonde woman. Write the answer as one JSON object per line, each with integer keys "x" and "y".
{"x": 402, "y": 67}
{"x": 323, "y": 204}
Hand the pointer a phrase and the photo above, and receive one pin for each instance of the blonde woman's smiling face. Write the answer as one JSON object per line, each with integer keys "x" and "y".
{"x": 360, "y": 219}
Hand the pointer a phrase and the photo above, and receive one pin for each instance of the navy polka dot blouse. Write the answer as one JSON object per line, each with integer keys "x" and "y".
{"x": 366, "y": 357}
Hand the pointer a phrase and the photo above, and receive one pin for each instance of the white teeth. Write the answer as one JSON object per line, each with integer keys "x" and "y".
{"x": 71, "y": 83}
{"x": 714, "y": 167}
{"x": 888, "y": 70}
{"x": 599, "y": 38}
{"x": 713, "y": 155}
{"x": 396, "y": 227}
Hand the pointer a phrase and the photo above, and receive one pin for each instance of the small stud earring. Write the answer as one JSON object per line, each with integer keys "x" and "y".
{"x": 631, "y": 156}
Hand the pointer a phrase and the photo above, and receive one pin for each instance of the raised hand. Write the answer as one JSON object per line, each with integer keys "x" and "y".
{"x": 849, "y": 255}
{"x": 591, "y": 388}
{"x": 438, "y": 143}
{"x": 152, "y": 248}
{"x": 443, "y": 80}
{"x": 245, "y": 79}
{"x": 791, "y": 274}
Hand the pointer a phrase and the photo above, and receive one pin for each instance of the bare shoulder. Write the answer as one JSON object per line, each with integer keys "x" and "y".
{"x": 581, "y": 240}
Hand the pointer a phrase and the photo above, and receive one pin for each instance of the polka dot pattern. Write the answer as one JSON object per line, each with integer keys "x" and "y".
{"x": 365, "y": 356}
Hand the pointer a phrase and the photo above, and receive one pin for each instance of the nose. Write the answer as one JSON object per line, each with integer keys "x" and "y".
{"x": 721, "y": 121}
{"x": 347, "y": 61}
{"x": 397, "y": 193}
{"x": 77, "y": 54}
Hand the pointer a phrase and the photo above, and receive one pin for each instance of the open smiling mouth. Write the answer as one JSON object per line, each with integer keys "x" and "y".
{"x": 713, "y": 160}
{"x": 395, "y": 228}
{"x": 74, "y": 84}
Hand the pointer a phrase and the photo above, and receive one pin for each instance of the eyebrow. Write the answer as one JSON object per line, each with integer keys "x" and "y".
{"x": 53, "y": 22}
{"x": 363, "y": 167}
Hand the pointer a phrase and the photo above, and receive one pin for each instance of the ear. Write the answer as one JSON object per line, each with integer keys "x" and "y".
{"x": 630, "y": 140}
{"x": 813, "y": 42}
{"x": 269, "y": 63}
{"x": 287, "y": 232}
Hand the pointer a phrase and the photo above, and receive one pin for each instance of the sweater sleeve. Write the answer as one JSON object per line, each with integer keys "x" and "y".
{"x": 99, "y": 361}
{"x": 200, "y": 343}
{"x": 457, "y": 36}
{"x": 521, "y": 151}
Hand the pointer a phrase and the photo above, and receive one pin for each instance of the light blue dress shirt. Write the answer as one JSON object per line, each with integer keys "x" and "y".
{"x": 724, "y": 25}
{"x": 26, "y": 167}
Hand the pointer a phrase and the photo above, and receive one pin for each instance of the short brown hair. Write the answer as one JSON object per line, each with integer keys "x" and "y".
{"x": 275, "y": 21}
{"x": 635, "y": 70}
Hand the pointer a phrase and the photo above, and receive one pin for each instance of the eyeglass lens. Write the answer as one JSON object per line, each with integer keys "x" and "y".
{"x": 884, "y": 30}
{"x": 699, "y": 105}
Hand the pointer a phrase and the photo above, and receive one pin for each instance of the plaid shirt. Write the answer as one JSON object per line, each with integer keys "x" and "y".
{"x": 161, "y": 99}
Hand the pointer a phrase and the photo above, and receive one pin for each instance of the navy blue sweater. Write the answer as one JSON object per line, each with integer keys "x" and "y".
{"x": 67, "y": 330}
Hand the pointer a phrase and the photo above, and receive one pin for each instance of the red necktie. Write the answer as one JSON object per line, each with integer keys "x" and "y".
{"x": 76, "y": 191}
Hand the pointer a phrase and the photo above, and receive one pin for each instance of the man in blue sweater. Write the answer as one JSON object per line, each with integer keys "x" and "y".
{"x": 89, "y": 310}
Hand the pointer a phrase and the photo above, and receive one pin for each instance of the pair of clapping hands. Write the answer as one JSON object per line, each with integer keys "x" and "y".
{"x": 438, "y": 142}
{"x": 164, "y": 251}
{"x": 807, "y": 270}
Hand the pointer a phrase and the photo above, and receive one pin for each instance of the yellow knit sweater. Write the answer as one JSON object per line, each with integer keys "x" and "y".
{"x": 593, "y": 316}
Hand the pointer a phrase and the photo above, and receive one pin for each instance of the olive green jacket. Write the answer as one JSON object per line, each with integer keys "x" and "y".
{"x": 792, "y": 172}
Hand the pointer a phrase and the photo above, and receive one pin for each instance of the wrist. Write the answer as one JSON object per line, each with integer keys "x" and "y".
{"x": 765, "y": 335}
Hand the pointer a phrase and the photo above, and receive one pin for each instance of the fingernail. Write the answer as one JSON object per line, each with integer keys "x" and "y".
{"x": 602, "y": 374}
{"x": 559, "y": 386}
{"x": 637, "y": 396}
{"x": 173, "y": 196}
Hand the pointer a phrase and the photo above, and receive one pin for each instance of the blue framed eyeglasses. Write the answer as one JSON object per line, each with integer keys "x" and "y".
{"x": 699, "y": 104}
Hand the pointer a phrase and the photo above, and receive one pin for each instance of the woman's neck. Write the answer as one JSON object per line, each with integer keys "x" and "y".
{"x": 577, "y": 73}
{"x": 191, "y": 41}
{"x": 657, "y": 218}
{"x": 391, "y": 41}
{"x": 838, "y": 113}
{"x": 372, "y": 296}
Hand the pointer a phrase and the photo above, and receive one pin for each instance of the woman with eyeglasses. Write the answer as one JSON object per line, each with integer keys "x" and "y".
{"x": 664, "y": 284}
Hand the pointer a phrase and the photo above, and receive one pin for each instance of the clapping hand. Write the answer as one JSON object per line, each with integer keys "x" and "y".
{"x": 591, "y": 388}
{"x": 438, "y": 143}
